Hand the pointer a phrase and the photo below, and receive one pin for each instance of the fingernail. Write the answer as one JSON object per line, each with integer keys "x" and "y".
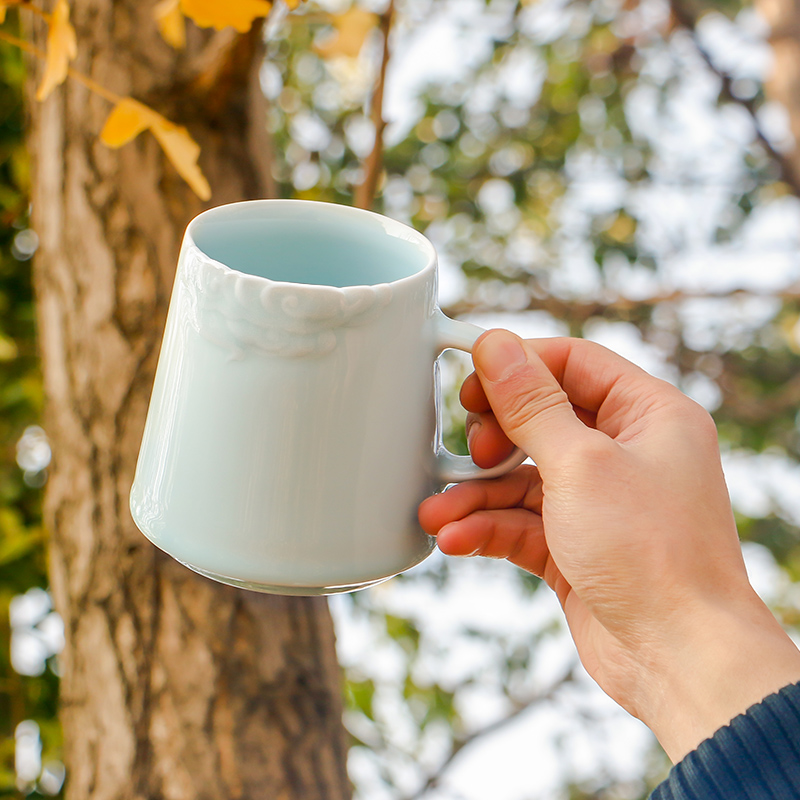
{"x": 473, "y": 428}
{"x": 500, "y": 353}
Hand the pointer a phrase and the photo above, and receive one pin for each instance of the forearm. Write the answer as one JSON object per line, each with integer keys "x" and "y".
{"x": 755, "y": 757}
{"x": 729, "y": 659}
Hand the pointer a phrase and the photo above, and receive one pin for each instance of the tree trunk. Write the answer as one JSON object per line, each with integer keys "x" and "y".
{"x": 783, "y": 83}
{"x": 173, "y": 686}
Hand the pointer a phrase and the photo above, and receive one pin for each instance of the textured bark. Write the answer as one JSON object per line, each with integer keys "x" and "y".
{"x": 783, "y": 84}
{"x": 173, "y": 686}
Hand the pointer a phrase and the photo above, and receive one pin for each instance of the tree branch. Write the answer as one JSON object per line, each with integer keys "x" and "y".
{"x": 90, "y": 84}
{"x": 520, "y": 708}
{"x": 365, "y": 191}
{"x": 764, "y": 397}
{"x": 683, "y": 16}
{"x": 623, "y": 307}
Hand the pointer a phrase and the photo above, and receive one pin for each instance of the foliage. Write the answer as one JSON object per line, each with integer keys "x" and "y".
{"x": 554, "y": 172}
{"x": 130, "y": 117}
{"x": 62, "y": 47}
{"x": 22, "y": 554}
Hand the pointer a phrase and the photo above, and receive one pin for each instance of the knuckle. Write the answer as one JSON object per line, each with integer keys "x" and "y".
{"x": 594, "y": 454}
{"x": 695, "y": 421}
{"x": 523, "y": 404}
{"x": 595, "y": 449}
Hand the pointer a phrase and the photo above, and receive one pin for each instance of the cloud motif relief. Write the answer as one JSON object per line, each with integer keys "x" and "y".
{"x": 245, "y": 314}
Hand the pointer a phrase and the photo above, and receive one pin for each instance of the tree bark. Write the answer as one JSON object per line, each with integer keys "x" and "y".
{"x": 173, "y": 686}
{"x": 783, "y": 83}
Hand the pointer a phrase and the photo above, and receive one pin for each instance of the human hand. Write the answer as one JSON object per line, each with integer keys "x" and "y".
{"x": 627, "y": 517}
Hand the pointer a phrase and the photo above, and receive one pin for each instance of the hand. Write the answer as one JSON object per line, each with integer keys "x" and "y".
{"x": 627, "y": 517}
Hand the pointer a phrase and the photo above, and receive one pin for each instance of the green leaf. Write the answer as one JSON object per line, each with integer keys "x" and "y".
{"x": 360, "y": 695}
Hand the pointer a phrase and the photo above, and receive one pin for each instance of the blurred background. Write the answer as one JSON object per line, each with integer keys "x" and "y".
{"x": 620, "y": 170}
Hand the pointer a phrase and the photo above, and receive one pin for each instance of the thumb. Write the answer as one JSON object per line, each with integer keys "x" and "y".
{"x": 532, "y": 408}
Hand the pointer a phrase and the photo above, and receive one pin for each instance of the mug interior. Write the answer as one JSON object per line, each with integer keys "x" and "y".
{"x": 311, "y": 243}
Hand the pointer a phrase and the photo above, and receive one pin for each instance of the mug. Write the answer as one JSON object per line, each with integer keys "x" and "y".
{"x": 292, "y": 429}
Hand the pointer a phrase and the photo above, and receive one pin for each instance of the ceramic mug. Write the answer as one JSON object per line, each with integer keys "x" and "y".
{"x": 292, "y": 428}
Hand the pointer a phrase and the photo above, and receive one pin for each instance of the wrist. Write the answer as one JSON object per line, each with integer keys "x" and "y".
{"x": 726, "y": 660}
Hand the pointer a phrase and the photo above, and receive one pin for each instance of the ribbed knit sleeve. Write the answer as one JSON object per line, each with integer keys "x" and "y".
{"x": 755, "y": 757}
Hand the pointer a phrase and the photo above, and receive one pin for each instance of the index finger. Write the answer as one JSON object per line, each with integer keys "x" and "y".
{"x": 534, "y": 387}
{"x": 474, "y": 399}
{"x": 608, "y": 387}
{"x": 472, "y": 396}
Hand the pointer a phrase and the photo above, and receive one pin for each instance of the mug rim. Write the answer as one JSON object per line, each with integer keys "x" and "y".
{"x": 392, "y": 226}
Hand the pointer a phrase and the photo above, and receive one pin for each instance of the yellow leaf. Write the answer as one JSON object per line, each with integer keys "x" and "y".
{"x": 2, "y": 12}
{"x": 130, "y": 117}
{"x": 183, "y": 152}
{"x": 220, "y": 14}
{"x": 171, "y": 23}
{"x": 350, "y": 32}
{"x": 62, "y": 47}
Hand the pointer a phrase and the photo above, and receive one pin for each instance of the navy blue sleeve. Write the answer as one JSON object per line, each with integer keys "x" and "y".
{"x": 755, "y": 757}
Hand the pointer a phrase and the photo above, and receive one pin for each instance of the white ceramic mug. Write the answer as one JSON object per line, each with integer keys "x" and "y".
{"x": 292, "y": 428}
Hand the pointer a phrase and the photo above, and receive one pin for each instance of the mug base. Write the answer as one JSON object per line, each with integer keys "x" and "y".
{"x": 285, "y": 589}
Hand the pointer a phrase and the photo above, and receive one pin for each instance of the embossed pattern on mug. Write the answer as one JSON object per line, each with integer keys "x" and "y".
{"x": 247, "y": 314}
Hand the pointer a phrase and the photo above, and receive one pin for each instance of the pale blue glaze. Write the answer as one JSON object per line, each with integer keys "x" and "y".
{"x": 291, "y": 433}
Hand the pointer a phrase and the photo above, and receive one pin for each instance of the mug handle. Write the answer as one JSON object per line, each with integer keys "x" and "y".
{"x": 450, "y": 468}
